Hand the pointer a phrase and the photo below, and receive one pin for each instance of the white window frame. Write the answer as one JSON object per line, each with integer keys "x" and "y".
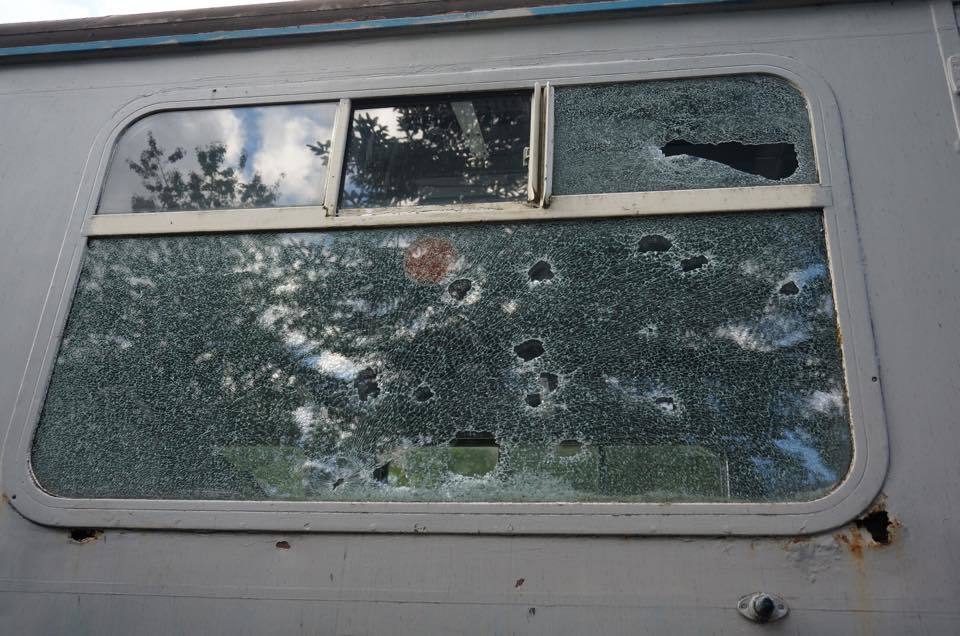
{"x": 832, "y": 194}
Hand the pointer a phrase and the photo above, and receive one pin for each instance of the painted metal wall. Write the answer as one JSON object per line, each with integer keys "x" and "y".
{"x": 885, "y": 65}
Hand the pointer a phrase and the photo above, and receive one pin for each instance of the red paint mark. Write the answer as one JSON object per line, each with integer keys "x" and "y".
{"x": 427, "y": 260}
{"x": 519, "y": 582}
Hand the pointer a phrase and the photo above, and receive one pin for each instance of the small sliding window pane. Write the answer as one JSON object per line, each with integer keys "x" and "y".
{"x": 716, "y": 132}
{"x": 469, "y": 148}
{"x": 249, "y": 157}
{"x": 683, "y": 358}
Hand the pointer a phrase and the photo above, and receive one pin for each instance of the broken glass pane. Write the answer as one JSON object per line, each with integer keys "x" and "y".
{"x": 251, "y": 157}
{"x": 655, "y": 359}
{"x": 712, "y": 132}
{"x": 438, "y": 151}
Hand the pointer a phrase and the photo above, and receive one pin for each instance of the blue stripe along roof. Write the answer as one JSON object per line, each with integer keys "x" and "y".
{"x": 342, "y": 27}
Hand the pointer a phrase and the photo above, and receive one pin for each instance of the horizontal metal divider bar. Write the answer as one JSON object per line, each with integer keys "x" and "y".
{"x": 702, "y": 201}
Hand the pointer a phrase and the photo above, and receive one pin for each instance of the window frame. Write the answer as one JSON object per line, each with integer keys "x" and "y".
{"x": 832, "y": 194}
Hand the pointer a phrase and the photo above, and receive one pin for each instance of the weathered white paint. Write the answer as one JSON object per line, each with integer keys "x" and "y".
{"x": 885, "y": 66}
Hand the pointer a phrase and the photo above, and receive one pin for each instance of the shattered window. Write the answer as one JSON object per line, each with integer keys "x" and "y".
{"x": 674, "y": 358}
{"x": 249, "y": 157}
{"x": 713, "y": 132}
{"x": 423, "y": 151}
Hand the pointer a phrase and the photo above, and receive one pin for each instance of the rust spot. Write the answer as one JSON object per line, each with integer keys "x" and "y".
{"x": 85, "y": 535}
{"x": 519, "y": 582}
{"x": 428, "y": 260}
{"x": 854, "y": 543}
{"x": 4, "y": 498}
{"x": 283, "y": 545}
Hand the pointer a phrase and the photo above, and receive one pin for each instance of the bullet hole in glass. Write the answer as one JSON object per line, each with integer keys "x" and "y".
{"x": 692, "y": 263}
{"x": 666, "y": 403}
{"x": 771, "y": 161}
{"x": 366, "y": 383}
{"x": 474, "y": 439}
{"x": 422, "y": 393}
{"x": 382, "y": 472}
{"x": 569, "y": 448}
{"x": 654, "y": 243}
{"x": 534, "y": 399}
{"x": 789, "y": 289}
{"x": 541, "y": 271}
{"x": 529, "y": 349}
{"x": 549, "y": 381}
{"x": 460, "y": 288}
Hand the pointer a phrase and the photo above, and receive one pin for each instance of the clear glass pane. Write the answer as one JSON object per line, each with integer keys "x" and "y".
{"x": 654, "y": 359}
{"x": 716, "y": 132}
{"x": 250, "y": 157}
{"x": 438, "y": 150}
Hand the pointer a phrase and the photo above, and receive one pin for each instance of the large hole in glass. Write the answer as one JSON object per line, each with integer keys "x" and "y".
{"x": 771, "y": 161}
{"x": 707, "y": 132}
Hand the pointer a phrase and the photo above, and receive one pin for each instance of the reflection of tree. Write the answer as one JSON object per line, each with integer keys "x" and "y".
{"x": 187, "y": 358}
{"x": 432, "y": 159}
{"x": 214, "y": 186}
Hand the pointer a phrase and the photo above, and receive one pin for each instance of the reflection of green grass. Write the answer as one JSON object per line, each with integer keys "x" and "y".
{"x": 654, "y": 473}
{"x": 664, "y": 472}
{"x": 277, "y": 469}
{"x": 690, "y": 471}
{"x": 473, "y": 461}
{"x": 430, "y": 466}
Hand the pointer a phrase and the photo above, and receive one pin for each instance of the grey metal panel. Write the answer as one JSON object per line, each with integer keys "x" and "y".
{"x": 858, "y": 489}
{"x": 274, "y": 22}
{"x": 886, "y": 69}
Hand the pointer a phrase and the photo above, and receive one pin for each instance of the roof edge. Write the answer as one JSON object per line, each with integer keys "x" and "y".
{"x": 163, "y": 30}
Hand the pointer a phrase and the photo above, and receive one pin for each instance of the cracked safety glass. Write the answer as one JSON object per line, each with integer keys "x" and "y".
{"x": 712, "y": 132}
{"x": 438, "y": 151}
{"x": 223, "y": 158}
{"x": 678, "y": 358}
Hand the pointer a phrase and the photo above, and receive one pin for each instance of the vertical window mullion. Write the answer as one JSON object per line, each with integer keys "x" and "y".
{"x": 533, "y": 160}
{"x": 338, "y": 148}
{"x": 546, "y": 183}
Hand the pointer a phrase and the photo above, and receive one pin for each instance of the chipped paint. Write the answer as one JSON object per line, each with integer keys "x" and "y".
{"x": 813, "y": 555}
{"x": 85, "y": 535}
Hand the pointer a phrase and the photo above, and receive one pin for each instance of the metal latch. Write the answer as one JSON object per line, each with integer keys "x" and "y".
{"x": 761, "y": 607}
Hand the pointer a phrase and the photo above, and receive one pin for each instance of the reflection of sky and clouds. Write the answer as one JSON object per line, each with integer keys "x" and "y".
{"x": 274, "y": 138}
{"x": 438, "y": 151}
